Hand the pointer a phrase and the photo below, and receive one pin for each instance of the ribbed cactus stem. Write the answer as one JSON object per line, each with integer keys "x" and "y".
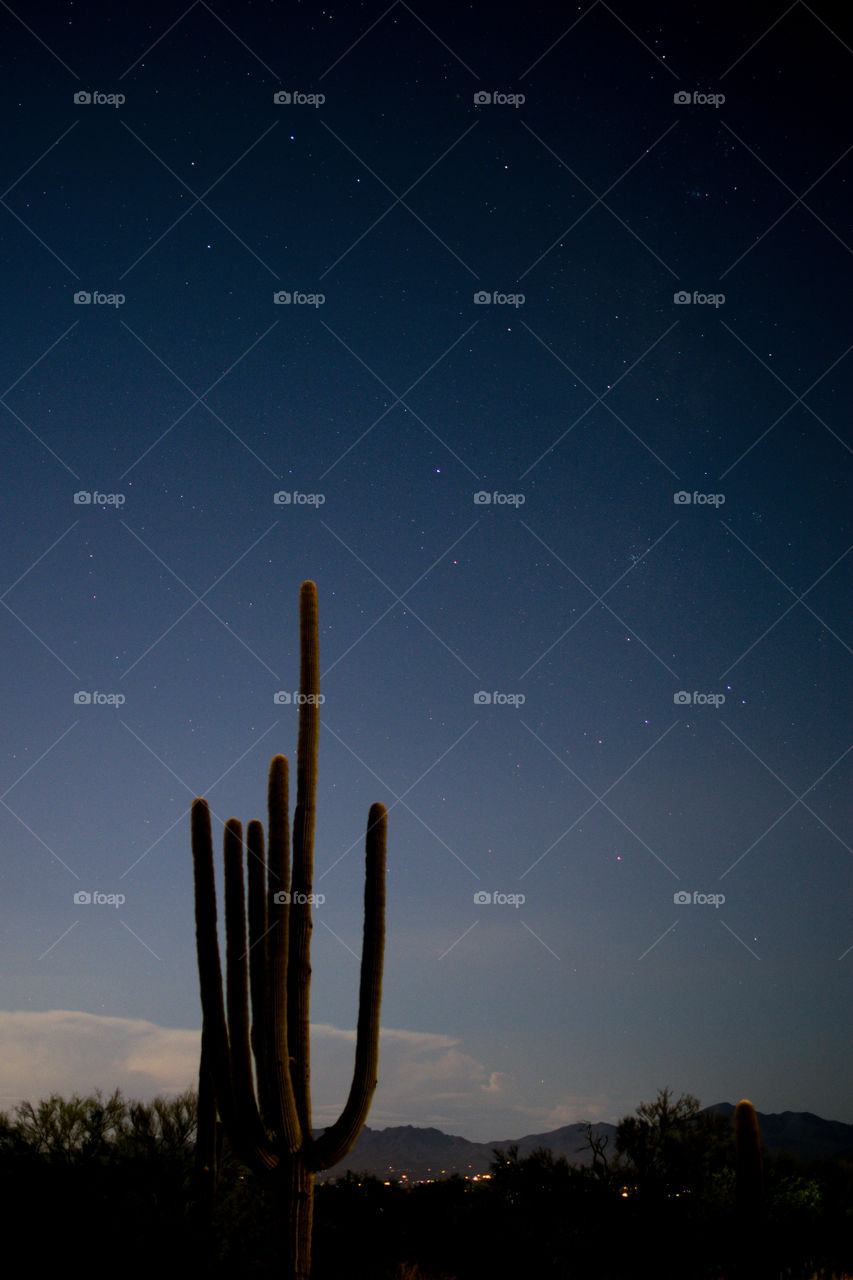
{"x": 218, "y": 1060}
{"x": 302, "y": 886}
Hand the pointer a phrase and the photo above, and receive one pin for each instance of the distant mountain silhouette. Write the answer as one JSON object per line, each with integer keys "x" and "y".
{"x": 415, "y": 1154}
{"x": 799, "y": 1133}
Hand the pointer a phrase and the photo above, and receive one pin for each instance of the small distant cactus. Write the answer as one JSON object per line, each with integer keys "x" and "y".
{"x": 269, "y": 1126}
{"x": 752, "y": 1261}
{"x": 749, "y": 1192}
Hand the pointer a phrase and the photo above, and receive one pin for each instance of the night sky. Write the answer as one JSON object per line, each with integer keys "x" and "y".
{"x": 589, "y": 265}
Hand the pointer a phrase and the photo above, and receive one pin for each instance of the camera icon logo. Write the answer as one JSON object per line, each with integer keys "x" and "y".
{"x": 482, "y": 698}
{"x": 482, "y": 296}
{"x": 82, "y": 898}
{"x": 82, "y": 297}
{"x": 681, "y": 498}
{"x": 281, "y": 898}
{"x": 681, "y": 898}
{"x": 282, "y": 698}
{"x": 82, "y": 698}
{"x": 481, "y": 99}
{"x": 482, "y": 897}
{"x": 681, "y": 297}
{"x": 82, "y": 97}
{"x": 82, "y": 498}
{"x": 281, "y": 298}
{"x": 482, "y": 498}
{"x": 282, "y": 97}
{"x": 682, "y": 698}
{"x": 681, "y": 98}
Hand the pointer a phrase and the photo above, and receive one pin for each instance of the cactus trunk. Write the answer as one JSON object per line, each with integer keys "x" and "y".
{"x": 299, "y": 1190}
{"x": 269, "y": 968}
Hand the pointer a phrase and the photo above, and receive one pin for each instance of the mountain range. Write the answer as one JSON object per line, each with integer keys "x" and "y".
{"x": 417, "y": 1154}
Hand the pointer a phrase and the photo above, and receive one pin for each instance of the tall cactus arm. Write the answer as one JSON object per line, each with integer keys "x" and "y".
{"x": 249, "y": 1138}
{"x": 299, "y": 961}
{"x": 257, "y": 902}
{"x": 336, "y": 1141}
{"x": 209, "y": 971}
{"x": 277, "y": 1064}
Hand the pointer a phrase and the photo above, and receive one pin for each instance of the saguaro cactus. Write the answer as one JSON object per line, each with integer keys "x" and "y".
{"x": 749, "y": 1168}
{"x": 268, "y": 1123}
{"x": 752, "y": 1261}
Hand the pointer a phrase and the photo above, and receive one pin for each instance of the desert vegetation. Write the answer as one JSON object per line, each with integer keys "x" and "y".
{"x": 116, "y": 1182}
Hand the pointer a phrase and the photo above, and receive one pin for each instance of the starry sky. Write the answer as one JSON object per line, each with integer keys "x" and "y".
{"x": 526, "y": 336}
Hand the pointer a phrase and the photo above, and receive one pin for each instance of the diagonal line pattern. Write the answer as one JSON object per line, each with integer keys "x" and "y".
{"x": 657, "y": 940}
{"x": 399, "y": 399}
{"x": 400, "y": 599}
{"x": 182, "y": 818}
{"x": 199, "y": 599}
{"x": 599, "y": 399}
{"x": 199, "y": 199}
{"x": 740, "y": 940}
{"x": 139, "y": 940}
{"x": 797, "y": 399}
{"x": 37, "y": 37}
{"x": 798, "y": 799}
{"x": 400, "y": 799}
{"x": 18, "y": 817}
{"x": 599, "y": 199}
{"x": 599, "y": 799}
{"x": 376, "y": 22}
{"x": 399, "y": 200}
{"x": 17, "y": 216}
{"x": 540, "y": 940}
{"x": 459, "y": 939}
{"x": 17, "y": 416}
{"x": 797, "y": 200}
{"x": 797, "y": 600}
{"x": 199, "y": 399}
{"x": 59, "y": 939}
{"x": 599, "y": 599}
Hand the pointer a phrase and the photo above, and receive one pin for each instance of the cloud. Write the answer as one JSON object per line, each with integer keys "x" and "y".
{"x": 425, "y": 1078}
{"x": 65, "y": 1051}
